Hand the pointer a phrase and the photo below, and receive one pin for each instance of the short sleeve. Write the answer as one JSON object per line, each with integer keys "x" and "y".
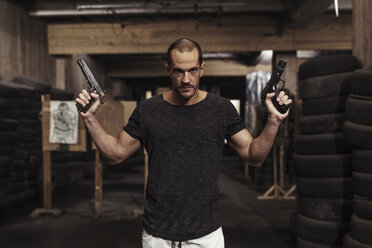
{"x": 133, "y": 126}
{"x": 234, "y": 122}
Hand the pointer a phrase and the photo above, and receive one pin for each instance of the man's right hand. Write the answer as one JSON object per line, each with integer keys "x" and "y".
{"x": 84, "y": 98}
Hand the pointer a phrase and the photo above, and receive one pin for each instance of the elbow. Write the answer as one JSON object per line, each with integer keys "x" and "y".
{"x": 253, "y": 163}
{"x": 112, "y": 159}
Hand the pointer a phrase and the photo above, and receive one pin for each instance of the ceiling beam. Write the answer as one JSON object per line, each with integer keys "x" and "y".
{"x": 302, "y": 13}
{"x": 156, "y": 68}
{"x": 242, "y": 34}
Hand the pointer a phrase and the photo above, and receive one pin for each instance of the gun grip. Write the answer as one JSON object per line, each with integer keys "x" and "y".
{"x": 86, "y": 107}
{"x": 281, "y": 108}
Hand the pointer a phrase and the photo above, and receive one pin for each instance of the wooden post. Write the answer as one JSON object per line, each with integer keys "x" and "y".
{"x": 47, "y": 165}
{"x": 47, "y": 179}
{"x": 98, "y": 185}
{"x": 61, "y": 72}
{"x": 362, "y": 32}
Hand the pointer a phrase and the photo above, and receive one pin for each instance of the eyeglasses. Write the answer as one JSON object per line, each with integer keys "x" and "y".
{"x": 177, "y": 72}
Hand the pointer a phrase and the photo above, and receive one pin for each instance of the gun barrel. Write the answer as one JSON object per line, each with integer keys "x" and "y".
{"x": 90, "y": 77}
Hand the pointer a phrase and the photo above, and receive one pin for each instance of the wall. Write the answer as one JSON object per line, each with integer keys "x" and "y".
{"x": 24, "y": 45}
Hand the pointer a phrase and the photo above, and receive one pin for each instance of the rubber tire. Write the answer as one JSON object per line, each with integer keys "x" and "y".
{"x": 8, "y": 103}
{"x": 302, "y": 243}
{"x": 293, "y": 222}
{"x": 349, "y": 242}
{"x": 362, "y": 161}
{"x": 61, "y": 95}
{"x": 318, "y": 124}
{"x": 326, "y": 65}
{"x": 362, "y": 207}
{"x": 325, "y": 105}
{"x": 37, "y": 86}
{"x": 325, "y": 86}
{"x": 359, "y": 110}
{"x": 357, "y": 135}
{"x": 7, "y": 90}
{"x": 9, "y": 125}
{"x": 321, "y": 144}
{"x": 26, "y": 135}
{"x": 325, "y": 209}
{"x": 361, "y": 82}
{"x": 362, "y": 184}
{"x": 330, "y": 188}
{"x": 333, "y": 165}
{"x": 8, "y": 138}
{"x": 323, "y": 232}
{"x": 361, "y": 230}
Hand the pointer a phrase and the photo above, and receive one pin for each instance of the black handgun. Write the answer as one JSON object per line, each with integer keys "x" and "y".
{"x": 276, "y": 84}
{"x": 93, "y": 85}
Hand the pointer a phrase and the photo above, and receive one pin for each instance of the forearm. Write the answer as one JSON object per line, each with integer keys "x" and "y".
{"x": 105, "y": 143}
{"x": 261, "y": 146}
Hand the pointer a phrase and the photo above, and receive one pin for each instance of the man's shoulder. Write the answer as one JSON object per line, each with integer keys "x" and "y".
{"x": 150, "y": 104}
{"x": 216, "y": 99}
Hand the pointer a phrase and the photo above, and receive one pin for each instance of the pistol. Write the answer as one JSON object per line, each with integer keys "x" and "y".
{"x": 91, "y": 82}
{"x": 276, "y": 84}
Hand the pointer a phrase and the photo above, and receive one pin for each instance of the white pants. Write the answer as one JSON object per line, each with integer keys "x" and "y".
{"x": 213, "y": 240}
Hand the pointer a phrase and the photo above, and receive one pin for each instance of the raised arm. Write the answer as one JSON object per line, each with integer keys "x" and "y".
{"x": 255, "y": 150}
{"x": 115, "y": 150}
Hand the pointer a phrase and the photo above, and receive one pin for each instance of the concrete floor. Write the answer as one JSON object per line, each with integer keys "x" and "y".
{"x": 246, "y": 221}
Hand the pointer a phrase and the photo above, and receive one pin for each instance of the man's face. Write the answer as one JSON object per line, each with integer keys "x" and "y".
{"x": 185, "y": 72}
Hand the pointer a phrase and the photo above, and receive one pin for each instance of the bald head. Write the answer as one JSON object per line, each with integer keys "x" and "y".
{"x": 183, "y": 45}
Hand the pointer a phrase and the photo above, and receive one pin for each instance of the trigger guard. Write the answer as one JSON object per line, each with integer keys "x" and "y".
{"x": 86, "y": 88}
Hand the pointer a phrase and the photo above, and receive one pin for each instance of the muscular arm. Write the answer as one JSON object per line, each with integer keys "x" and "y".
{"x": 115, "y": 150}
{"x": 255, "y": 150}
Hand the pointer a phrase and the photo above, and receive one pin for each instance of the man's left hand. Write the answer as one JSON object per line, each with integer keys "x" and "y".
{"x": 275, "y": 117}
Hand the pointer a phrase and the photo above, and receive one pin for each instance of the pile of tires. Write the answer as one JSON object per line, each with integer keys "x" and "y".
{"x": 322, "y": 162}
{"x": 21, "y": 146}
{"x": 69, "y": 168}
{"x": 358, "y": 132}
{"x": 26, "y": 163}
{"x": 8, "y": 128}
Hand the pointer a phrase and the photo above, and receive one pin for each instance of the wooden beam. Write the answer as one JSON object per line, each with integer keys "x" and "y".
{"x": 362, "y": 32}
{"x": 156, "y": 68}
{"x": 234, "y": 34}
{"x": 303, "y": 12}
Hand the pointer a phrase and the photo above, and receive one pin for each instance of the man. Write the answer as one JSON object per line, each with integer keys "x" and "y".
{"x": 183, "y": 131}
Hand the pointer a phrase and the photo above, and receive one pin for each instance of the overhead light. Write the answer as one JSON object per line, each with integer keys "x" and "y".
{"x": 336, "y": 8}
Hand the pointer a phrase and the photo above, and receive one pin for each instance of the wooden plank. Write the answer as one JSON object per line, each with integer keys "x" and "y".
{"x": 237, "y": 34}
{"x": 156, "y": 68}
{"x": 128, "y": 107}
{"x": 23, "y": 45}
{"x": 61, "y": 66}
{"x": 98, "y": 184}
{"x": 47, "y": 179}
{"x": 362, "y": 32}
{"x": 303, "y": 12}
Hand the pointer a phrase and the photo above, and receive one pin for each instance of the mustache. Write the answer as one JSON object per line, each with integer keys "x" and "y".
{"x": 186, "y": 86}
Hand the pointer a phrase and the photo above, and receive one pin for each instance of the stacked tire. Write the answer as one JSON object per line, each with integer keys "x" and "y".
{"x": 8, "y": 128}
{"x": 69, "y": 168}
{"x": 25, "y": 170}
{"x": 322, "y": 162}
{"x": 358, "y": 132}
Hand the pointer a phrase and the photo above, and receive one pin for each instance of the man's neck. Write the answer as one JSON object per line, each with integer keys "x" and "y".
{"x": 173, "y": 98}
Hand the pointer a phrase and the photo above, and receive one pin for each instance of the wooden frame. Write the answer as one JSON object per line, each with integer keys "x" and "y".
{"x": 47, "y": 165}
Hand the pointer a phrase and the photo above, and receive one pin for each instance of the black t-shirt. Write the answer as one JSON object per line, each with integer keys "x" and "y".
{"x": 184, "y": 145}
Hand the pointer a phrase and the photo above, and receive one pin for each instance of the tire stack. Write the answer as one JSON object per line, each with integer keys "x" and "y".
{"x": 8, "y": 128}
{"x": 322, "y": 163}
{"x": 25, "y": 169}
{"x": 358, "y": 132}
